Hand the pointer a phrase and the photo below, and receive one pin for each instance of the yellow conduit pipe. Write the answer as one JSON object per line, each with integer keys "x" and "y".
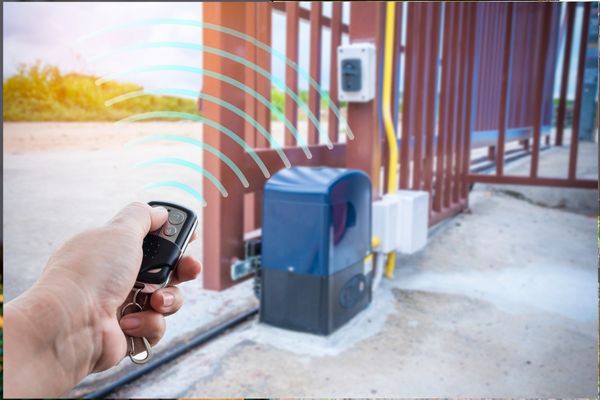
{"x": 390, "y": 132}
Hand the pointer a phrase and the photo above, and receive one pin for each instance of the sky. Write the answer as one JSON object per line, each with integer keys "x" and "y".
{"x": 49, "y": 32}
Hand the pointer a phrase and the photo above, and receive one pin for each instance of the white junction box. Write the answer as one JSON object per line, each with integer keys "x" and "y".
{"x": 385, "y": 218}
{"x": 356, "y": 72}
{"x": 412, "y": 220}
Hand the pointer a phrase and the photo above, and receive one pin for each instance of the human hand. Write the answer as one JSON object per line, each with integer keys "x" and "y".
{"x": 83, "y": 286}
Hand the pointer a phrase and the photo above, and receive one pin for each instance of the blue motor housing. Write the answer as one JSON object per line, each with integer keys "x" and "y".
{"x": 316, "y": 236}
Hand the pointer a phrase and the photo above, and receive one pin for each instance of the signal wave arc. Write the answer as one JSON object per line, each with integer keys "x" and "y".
{"x": 234, "y": 33}
{"x": 195, "y": 94}
{"x": 184, "y": 139}
{"x": 187, "y": 164}
{"x": 212, "y": 50}
{"x": 182, "y": 68}
{"x": 178, "y": 185}
{"x": 206, "y": 121}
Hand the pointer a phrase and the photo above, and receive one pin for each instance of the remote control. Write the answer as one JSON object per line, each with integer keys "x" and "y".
{"x": 164, "y": 247}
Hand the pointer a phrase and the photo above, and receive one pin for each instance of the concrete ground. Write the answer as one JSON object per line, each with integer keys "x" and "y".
{"x": 502, "y": 302}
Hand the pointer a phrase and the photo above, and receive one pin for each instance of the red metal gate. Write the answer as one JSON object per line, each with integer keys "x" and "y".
{"x": 520, "y": 64}
{"x": 475, "y": 75}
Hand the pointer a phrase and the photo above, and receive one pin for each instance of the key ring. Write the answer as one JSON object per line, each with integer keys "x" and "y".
{"x": 147, "y": 352}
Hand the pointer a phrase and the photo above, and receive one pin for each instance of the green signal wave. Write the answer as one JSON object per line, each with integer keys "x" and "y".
{"x": 187, "y": 140}
{"x": 187, "y": 164}
{"x": 178, "y": 185}
{"x": 181, "y": 68}
{"x": 206, "y": 25}
{"x": 192, "y": 93}
{"x": 198, "y": 118}
{"x": 207, "y": 49}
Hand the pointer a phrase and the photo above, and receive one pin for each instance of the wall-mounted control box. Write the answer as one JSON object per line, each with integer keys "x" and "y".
{"x": 356, "y": 72}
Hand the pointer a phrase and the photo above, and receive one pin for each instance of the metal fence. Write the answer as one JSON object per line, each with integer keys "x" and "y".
{"x": 523, "y": 57}
{"x": 473, "y": 75}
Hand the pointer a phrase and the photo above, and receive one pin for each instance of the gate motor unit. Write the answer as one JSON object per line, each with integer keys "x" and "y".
{"x": 316, "y": 268}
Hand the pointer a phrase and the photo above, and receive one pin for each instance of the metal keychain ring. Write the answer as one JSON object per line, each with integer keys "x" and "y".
{"x": 147, "y": 350}
{"x": 132, "y": 304}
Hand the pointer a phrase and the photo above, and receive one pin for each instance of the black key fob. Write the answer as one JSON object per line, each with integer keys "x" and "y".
{"x": 164, "y": 247}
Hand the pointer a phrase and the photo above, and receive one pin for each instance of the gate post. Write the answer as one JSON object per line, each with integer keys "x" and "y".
{"x": 364, "y": 152}
{"x": 223, "y": 218}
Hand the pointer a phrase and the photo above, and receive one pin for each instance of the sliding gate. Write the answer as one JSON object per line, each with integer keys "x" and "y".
{"x": 468, "y": 76}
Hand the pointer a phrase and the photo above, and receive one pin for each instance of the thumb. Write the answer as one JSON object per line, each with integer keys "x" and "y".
{"x": 141, "y": 218}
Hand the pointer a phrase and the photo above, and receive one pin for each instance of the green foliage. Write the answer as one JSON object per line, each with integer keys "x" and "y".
{"x": 278, "y": 100}
{"x": 42, "y": 93}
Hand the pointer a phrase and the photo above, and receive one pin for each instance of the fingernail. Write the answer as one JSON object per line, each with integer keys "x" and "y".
{"x": 128, "y": 323}
{"x": 168, "y": 299}
{"x": 161, "y": 209}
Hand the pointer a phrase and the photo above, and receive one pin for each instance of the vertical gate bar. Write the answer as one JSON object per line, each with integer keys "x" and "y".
{"x": 443, "y": 110}
{"x": 527, "y": 44}
{"x": 292, "y": 14}
{"x": 530, "y": 52}
{"x": 263, "y": 86}
{"x": 552, "y": 67}
{"x": 522, "y": 106}
{"x": 418, "y": 112}
{"x": 456, "y": 190}
{"x": 471, "y": 99}
{"x": 263, "y": 60}
{"x": 432, "y": 79}
{"x": 505, "y": 90}
{"x": 533, "y": 45}
{"x": 451, "y": 126}
{"x": 314, "y": 99}
{"x": 534, "y": 67}
{"x": 562, "y": 104}
{"x": 336, "y": 40}
{"x": 222, "y": 217}
{"x": 517, "y": 70}
{"x": 491, "y": 104}
{"x": 493, "y": 64}
{"x": 485, "y": 75}
{"x": 364, "y": 152}
{"x": 490, "y": 69}
{"x": 544, "y": 44}
{"x": 498, "y": 74}
{"x": 579, "y": 92}
{"x": 482, "y": 82}
{"x": 407, "y": 98}
{"x": 479, "y": 83}
{"x": 520, "y": 29}
{"x": 250, "y": 75}
{"x": 517, "y": 33}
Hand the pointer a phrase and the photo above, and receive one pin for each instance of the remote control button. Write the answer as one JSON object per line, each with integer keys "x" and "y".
{"x": 176, "y": 217}
{"x": 169, "y": 230}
